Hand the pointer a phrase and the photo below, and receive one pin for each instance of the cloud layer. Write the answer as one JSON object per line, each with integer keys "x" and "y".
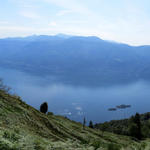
{"x": 121, "y": 20}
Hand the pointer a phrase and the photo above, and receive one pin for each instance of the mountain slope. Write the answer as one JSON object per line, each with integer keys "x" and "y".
{"x": 85, "y": 61}
{"x": 23, "y": 127}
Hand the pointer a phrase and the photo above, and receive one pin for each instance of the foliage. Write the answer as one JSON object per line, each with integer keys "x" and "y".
{"x": 10, "y": 136}
{"x": 84, "y": 122}
{"x": 140, "y": 123}
{"x": 44, "y": 107}
{"x": 37, "y": 145}
{"x": 91, "y": 124}
{"x": 135, "y": 127}
{"x": 113, "y": 147}
{"x": 146, "y": 130}
{"x": 50, "y": 113}
{"x": 96, "y": 144}
{"x": 5, "y": 146}
{"x": 133, "y": 130}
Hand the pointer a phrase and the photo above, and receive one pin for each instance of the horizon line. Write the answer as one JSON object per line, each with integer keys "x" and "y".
{"x": 72, "y": 35}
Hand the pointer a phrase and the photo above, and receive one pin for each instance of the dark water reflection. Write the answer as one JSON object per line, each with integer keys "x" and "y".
{"x": 76, "y": 102}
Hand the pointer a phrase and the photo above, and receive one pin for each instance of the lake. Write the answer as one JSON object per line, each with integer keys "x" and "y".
{"x": 75, "y": 102}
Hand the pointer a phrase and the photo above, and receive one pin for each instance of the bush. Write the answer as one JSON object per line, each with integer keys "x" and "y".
{"x": 5, "y": 146}
{"x": 96, "y": 144}
{"x": 113, "y": 147}
{"x": 146, "y": 131}
{"x": 50, "y": 113}
{"x": 44, "y": 107}
{"x": 10, "y": 136}
{"x": 84, "y": 141}
{"x": 37, "y": 145}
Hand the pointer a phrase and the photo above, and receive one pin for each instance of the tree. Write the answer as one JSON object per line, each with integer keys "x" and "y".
{"x": 103, "y": 127}
{"x": 146, "y": 131}
{"x": 133, "y": 130}
{"x": 44, "y": 107}
{"x": 84, "y": 122}
{"x": 91, "y": 124}
{"x": 135, "y": 126}
{"x": 137, "y": 121}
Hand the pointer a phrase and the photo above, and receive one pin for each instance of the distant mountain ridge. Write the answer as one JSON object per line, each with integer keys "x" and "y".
{"x": 77, "y": 60}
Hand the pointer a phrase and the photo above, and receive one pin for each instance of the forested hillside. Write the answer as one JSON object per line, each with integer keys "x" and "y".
{"x": 87, "y": 61}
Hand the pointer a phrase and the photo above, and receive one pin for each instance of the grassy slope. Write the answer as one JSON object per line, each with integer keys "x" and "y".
{"x": 23, "y": 127}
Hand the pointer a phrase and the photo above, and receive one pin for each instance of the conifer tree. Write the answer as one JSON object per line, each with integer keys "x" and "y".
{"x": 135, "y": 126}
{"x": 84, "y": 123}
{"x": 91, "y": 124}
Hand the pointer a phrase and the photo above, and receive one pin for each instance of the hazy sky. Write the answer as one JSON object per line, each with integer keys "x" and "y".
{"x": 125, "y": 21}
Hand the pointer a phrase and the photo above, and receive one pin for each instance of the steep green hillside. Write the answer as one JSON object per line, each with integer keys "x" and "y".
{"x": 24, "y": 128}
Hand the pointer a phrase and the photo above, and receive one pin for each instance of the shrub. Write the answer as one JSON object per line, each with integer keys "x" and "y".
{"x": 37, "y": 145}
{"x": 50, "y": 113}
{"x": 44, "y": 107}
{"x": 113, "y": 147}
{"x": 10, "y": 136}
{"x": 6, "y": 146}
{"x": 96, "y": 144}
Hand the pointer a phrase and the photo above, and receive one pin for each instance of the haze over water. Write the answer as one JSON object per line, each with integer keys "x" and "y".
{"x": 77, "y": 102}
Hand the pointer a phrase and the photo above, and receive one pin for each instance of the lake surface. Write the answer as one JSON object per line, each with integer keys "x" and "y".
{"x": 77, "y": 102}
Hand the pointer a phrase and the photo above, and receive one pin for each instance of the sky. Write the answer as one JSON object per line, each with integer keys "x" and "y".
{"x": 125, "y": 21}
